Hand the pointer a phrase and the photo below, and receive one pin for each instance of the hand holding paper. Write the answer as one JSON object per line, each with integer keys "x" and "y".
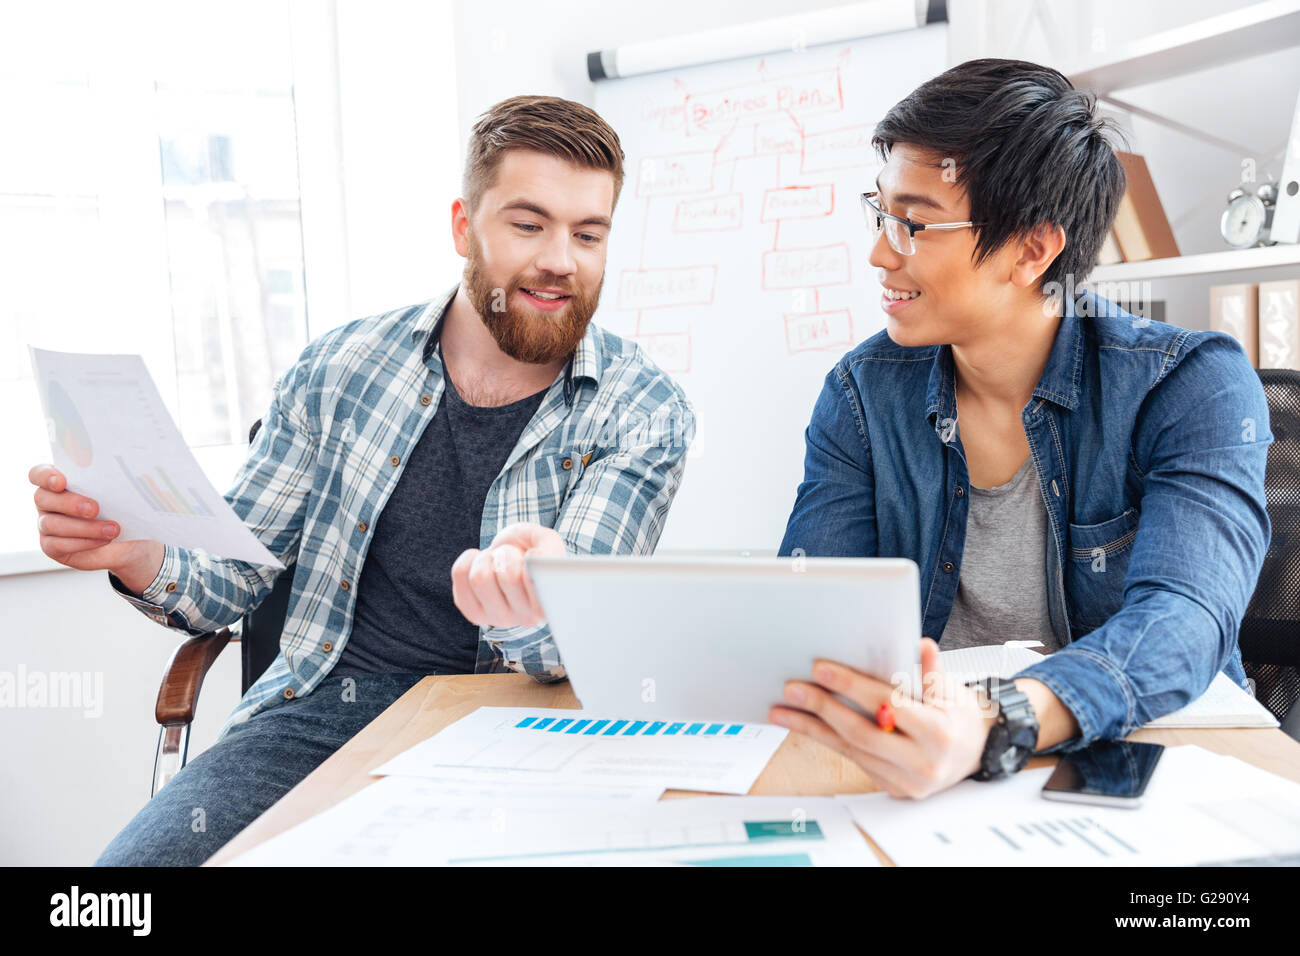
{"x": 118, "y": 451}
{"x": 73, "y": 536}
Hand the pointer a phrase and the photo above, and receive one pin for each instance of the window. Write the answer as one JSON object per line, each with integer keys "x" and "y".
{"x": 149, "y": 202}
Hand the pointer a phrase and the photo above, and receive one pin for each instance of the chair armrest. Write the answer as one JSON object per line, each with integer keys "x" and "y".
{"x": 184, "y": 675}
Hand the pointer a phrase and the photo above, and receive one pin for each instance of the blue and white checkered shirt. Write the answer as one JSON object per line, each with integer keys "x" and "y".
{"x": 599, "y": 462}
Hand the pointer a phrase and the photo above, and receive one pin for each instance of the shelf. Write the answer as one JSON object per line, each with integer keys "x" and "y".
{"x": 1207, "y": 263}
{"x": 1237, "y": 35}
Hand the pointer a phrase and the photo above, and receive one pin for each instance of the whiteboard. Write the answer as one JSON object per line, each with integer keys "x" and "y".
{"x": 738, "y": 255}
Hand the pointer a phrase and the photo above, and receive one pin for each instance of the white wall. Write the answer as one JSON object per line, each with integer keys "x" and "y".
{"x": 69, "y": 782}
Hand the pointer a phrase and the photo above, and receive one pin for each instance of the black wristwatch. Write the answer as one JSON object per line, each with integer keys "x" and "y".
{"x": 1015, "y": 735}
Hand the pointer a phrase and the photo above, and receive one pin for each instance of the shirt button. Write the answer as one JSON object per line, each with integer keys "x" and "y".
{"x": 566, "y": 464}
{"x": 947, "y": 566}
{"x": 345, "y": 585}
{"x": 426, "y": 399}
{"x": 327, "y": 646}
{"x": 362, "y": 526}
{"x": 288, "y": 693}
{"x": 1055, "y": 490}
{"x": 960, "y": 492}
{"x": 171, "y": 587}
{"x": 394, "y": 460}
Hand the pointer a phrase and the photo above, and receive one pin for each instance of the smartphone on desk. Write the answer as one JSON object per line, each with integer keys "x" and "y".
{"x": 1110, "y": 773}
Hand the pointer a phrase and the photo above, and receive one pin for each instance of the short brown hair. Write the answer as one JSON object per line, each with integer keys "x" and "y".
{"x": 546, "y": 124}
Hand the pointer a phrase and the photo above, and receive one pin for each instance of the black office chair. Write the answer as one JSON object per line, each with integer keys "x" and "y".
{"x": 258, "y": 636}
{"x": 1270, "y": 631}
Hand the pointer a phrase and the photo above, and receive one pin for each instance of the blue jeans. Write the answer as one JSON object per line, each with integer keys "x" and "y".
{"x": 234, "y": 781}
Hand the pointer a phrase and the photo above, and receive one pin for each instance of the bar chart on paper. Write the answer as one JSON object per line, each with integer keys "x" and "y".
{"x": 634, "y": 728}
{"x": 161, "y": 494}
{"x": 577, "y": 746}
{"x": 113, "y": 438}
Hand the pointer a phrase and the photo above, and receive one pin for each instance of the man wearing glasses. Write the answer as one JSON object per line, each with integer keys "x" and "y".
{"x": 1059, "y": 470}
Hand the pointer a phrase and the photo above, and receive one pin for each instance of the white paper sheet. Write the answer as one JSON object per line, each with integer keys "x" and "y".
{"x": 112, "y": 436}
{"x": 412, "y": 821}
{"x": 1200, "y": 807}
{"x": 1223, "y": 704}
{"x": 786, "y": 831}
{"x": 529, "y": 744}
{"x": 407, "y": 821}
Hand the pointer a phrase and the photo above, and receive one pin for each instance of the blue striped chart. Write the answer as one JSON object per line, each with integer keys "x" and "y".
{"x": 632, "y": 728}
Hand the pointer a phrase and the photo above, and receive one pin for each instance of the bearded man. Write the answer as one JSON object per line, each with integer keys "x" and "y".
{"x": 407, "y": 464}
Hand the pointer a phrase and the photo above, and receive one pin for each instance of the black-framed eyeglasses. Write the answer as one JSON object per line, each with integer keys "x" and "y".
{"x": 901, "y": 233}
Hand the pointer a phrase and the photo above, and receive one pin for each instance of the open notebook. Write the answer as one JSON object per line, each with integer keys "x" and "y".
{"x": 1223, "y": 704}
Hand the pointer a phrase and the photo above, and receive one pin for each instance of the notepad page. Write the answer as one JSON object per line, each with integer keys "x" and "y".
{"x": 1223, "y": 704}
{"x": 987, "y": 660}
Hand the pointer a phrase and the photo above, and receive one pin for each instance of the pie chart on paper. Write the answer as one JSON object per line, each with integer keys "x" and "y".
{"x": 66, "y": 427}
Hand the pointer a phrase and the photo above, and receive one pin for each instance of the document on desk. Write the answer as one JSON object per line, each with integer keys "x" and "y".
{"x": 1199, "y": 808}
{"x": 409, "y": 821}
{"x": 113, "y": 438}
{"x": 414, "y": 821}
{"x": 1223, "y": 704}
{"x": 529, "y": 744}
{"x": 793, "y": 831}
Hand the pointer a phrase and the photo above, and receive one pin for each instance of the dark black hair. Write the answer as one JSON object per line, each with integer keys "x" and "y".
{"x": 1028, "y": 148}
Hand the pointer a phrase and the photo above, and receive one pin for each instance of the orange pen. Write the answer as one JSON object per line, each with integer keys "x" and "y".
{"x": 885, "y": 718}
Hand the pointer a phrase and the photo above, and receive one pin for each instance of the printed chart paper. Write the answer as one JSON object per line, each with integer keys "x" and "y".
{"x": 530, "y": 744}
{"x": 112, "y": 436}
{"x": 412, "y": 821}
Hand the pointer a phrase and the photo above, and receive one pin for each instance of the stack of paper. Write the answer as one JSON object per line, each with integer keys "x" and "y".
{"x": 537, "y": 787}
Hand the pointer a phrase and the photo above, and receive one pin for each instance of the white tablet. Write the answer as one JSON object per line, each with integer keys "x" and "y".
{"x": 709, "y": 638}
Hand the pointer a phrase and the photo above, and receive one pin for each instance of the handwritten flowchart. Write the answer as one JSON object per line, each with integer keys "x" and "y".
{"x": 765, "y": 124}
{"x": 738, "y": 257}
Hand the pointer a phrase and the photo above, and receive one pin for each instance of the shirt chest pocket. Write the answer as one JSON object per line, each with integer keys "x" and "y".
{"x": 1096, "y": 565}
{"x": 553, "y": 478}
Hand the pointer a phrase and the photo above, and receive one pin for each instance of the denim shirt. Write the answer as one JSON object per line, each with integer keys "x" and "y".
{"x": 1150, "y": 441}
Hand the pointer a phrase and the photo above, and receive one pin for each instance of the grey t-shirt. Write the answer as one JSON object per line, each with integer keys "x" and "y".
{"x": 405, "y": 620}
{"x": 1002, "y": 591}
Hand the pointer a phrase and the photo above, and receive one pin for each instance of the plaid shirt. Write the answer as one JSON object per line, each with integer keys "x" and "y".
{"x": 599, "y": 462}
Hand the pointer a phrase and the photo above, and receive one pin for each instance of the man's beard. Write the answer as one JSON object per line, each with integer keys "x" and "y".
{"x": 526, "y": 336}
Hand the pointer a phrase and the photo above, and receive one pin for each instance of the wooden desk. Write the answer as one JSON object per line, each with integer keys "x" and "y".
{"x": 800, "y": 766}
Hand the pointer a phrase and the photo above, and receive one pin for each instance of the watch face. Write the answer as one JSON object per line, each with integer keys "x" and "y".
{"x": 1242, "y": 221}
